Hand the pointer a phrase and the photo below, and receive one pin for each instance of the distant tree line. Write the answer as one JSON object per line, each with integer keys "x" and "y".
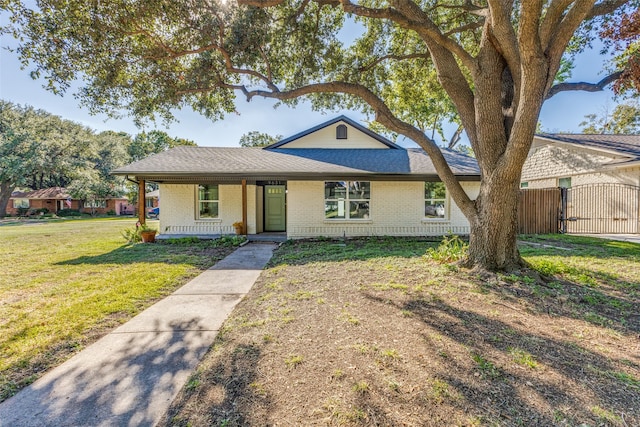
{"x": 40, "y": 150}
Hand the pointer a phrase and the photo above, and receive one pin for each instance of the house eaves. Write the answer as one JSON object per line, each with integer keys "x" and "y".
{"x": 627, "y": 151}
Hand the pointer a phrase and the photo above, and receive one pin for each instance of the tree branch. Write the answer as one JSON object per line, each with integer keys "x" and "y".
{"x": 504, "y": 38}
{"x": 551, "y": 19}
{"x": 584, "y": 86}
{"x": 605, "y": 7}
{"x": 385, "y": 117}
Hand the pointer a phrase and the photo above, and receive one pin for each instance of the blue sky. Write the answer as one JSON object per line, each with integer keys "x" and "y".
{"x": 562, "y": 113}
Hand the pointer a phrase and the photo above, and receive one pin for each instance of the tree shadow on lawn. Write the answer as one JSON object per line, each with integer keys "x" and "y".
{"x": 231, "y": 392}
{"x": 154, "y": 253}
{"x": 576, "y": 383}
{"x": 126, "y": 378}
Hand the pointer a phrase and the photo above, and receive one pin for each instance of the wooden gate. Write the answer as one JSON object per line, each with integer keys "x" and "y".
{"x": 602, "y": 208}
{"x": 539, "y": 211}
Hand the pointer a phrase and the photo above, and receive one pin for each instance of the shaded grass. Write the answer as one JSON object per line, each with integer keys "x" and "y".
{"x": 402, "y": 340}
{"x": 66, "y": 283}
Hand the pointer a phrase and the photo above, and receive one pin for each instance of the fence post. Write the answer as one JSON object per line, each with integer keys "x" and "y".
{"x": 563, "y": 210}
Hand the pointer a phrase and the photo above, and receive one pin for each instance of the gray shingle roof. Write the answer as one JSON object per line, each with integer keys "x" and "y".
{"x": 627, "y": 145}
{"x": 299, "y": 162}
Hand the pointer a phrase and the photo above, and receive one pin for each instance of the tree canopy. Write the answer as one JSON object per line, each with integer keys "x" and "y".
{"x": 40, "y": 150}
{"x": 488, "y": 64}
{"x": 258, "y": 139}
{"x": 625, "y": 119}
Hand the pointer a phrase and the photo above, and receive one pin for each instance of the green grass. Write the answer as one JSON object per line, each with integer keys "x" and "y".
{"x": 64, "y": 281}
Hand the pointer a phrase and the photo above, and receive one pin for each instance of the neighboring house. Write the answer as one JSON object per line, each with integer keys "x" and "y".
{"x": 152, "y": 199}
{"x": 55, "y": 199}
{"x": 602, "y": 173}
{"x": 335, "y": 179}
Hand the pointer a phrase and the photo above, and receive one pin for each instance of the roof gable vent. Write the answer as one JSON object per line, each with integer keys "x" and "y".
{"x": 341, "y": 132}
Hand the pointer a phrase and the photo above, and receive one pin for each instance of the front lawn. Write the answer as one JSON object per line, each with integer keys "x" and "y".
{"x": 66, "y": 283}
{"x": 374, "y": 332}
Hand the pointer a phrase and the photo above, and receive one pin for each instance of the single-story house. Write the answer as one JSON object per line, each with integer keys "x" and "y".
{"x": 335, "y": 179}
{"x": 568, "y": 160}
{"x": 55, "y": 199}
{"x": 601, "y": 175}
{"x": 152, "y": 199}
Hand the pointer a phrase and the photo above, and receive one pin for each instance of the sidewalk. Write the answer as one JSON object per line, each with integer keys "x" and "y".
{"x": 131, "y": 376}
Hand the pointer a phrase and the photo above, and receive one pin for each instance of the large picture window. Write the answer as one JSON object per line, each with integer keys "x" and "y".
{"x": 435, "y": 198}
{"x": 208, "y": 201}
{"x": 347, "y": 199}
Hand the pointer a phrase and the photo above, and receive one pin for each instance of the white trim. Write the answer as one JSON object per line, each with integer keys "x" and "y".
{"x": 198, "y": 201}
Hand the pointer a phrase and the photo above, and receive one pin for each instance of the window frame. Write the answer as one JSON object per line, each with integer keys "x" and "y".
{"x": 445, "y": 202}
{"x": 347, "y": 201}
{"x": 96, "y": 204}
{"x": 565, "y": 178}
{"x": 199, "y": 201}
{"x": 21, "y": 205}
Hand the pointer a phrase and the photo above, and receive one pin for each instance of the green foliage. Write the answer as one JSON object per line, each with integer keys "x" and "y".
{"x": 69, "y": 212}
{"x": 625, "y": 119}
{"x": 132, "y": 235}
{"x": 487, "y": 369}
{"x": 258, "y": 139}
{"x": 452, "y": 248}
{"x": 155, "y": 141}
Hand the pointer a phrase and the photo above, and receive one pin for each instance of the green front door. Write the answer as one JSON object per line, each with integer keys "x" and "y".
{"x": 274, "y": 208}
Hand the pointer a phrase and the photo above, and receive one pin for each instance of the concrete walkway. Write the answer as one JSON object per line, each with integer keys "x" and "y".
{"x": 131, "y": 376}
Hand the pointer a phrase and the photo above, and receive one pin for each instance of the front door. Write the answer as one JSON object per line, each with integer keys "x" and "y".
{"x": 274, "y": 208}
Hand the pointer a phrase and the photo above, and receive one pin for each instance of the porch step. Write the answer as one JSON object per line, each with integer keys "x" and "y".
{"x": 267, "y": 237}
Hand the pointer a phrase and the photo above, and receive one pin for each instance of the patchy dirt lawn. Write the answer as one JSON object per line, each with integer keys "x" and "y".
{"x": 373, "y": 332}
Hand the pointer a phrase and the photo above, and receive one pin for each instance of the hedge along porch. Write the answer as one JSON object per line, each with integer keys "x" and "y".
{"x": 336, "y": 179}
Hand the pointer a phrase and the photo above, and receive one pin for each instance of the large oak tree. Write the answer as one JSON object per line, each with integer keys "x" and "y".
{"x": 489, "y": 63}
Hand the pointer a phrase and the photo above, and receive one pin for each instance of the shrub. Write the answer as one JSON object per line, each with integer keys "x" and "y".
{"x": 111, "y": 212}
{"x": 452, "y": 248}
{"x": 132, "y": 235}
{"x": 22, "y": 211}
{"x": 69, "y": 212}
{"x": 40, "y": 211}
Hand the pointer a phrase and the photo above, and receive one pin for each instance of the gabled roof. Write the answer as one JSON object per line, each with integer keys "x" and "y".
{"x": 299, "y": 163}
{"x": 623, "y": 145}
{"x": 333, "y": 121}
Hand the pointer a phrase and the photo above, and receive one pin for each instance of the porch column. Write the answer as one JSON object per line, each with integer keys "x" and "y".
{"x": 142, "y": 202}
{"x": 244, "y": 206}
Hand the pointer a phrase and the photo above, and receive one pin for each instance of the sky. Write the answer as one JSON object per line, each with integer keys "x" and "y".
{"x": 562, "y": 113}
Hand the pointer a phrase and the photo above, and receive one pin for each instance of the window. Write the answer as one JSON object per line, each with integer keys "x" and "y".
{"x": 149, "y": 202}
{"x": 524, "y": 185}
{"x": 347, "y": 199}
{"x": 21, "y": 203}
{"x": 341, "y": 132}
{"x": 435, "y": 197}
{"x": 98, "y": 203}
{"x": 564, "y": 182}
{"x": 208, "y": 201}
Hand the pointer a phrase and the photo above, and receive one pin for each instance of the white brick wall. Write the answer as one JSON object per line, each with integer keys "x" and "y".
{"x": 178, "y": 210}
{"x": 397, "y": 209}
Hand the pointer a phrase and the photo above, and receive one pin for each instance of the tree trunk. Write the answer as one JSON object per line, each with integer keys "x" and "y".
{"x": 5, "y": 194}
{"x": 493, "y": 239}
